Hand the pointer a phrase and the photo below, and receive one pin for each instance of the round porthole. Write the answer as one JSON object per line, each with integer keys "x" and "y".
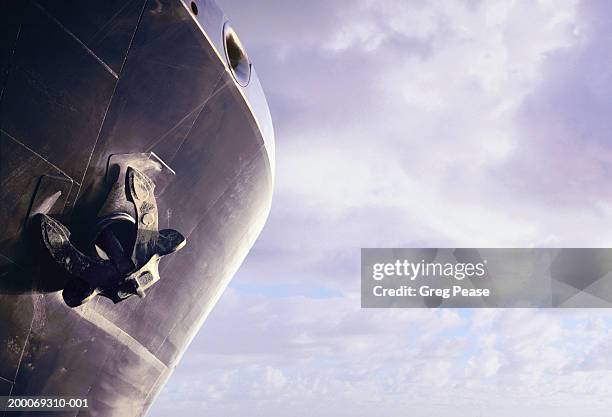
{"x": 236, "y": 56}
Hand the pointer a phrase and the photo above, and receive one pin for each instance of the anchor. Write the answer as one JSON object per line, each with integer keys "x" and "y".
{"x": 127, "y": 243}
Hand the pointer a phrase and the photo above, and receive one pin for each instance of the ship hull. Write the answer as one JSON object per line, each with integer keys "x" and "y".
{"x": 82, "y": 81}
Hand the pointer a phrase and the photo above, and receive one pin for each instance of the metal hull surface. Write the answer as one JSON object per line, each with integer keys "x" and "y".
{"x": 81, "y": 81}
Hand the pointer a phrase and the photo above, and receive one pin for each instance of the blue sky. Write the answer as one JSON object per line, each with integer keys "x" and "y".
{"x": 414, "y": 123}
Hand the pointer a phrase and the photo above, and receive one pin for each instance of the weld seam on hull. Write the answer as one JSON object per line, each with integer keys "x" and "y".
{"x": 17, "y": 141}
{"x": 110, "y": 100}
{"x": 120, "y": 335}
{"x": 80, "y": 42}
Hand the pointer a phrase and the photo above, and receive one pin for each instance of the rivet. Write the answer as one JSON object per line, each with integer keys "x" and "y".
{"x": 147, "y": 219}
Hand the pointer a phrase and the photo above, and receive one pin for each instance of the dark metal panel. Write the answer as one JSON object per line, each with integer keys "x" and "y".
{"x": 18, "y": 310}
{"x": 55, "y": 80}
{"x": 43, "y": 367}
{"x": 96, "y": 358}
{"x": 106, "y": 27}
{"x": 5, "y": 387}
{"x": 10, "y": 21}
{"x": 20, "y": 176}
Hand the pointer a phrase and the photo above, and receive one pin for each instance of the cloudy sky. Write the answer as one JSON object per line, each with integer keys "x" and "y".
{"x": 415, "y": 123}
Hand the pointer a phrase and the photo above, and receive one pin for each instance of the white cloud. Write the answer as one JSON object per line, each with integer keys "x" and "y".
{"x": 331, "y": 355}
